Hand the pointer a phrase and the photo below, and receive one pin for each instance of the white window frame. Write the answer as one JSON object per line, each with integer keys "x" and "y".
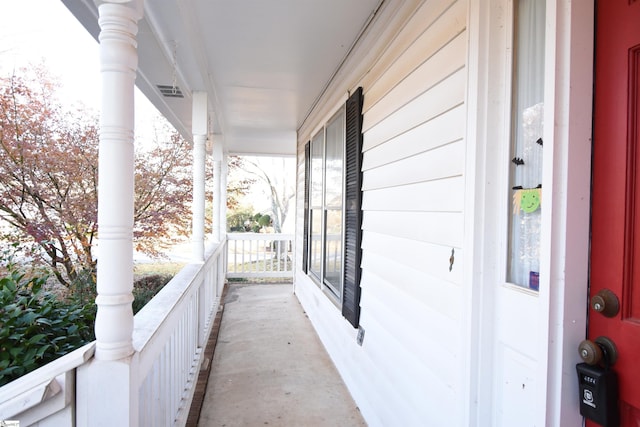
{"x": 335, "y": 292}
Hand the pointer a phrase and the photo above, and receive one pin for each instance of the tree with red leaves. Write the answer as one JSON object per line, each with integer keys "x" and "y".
{"x": 49, "y": 179}
{"x": 163, "y": 188}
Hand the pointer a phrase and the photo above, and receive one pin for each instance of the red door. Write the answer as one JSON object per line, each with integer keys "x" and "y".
{"x": 615, "y": 240}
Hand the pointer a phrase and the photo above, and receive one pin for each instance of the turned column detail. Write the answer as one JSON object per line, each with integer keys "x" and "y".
{"x": 118, "y": 65}
{"x": 199, "y": 120}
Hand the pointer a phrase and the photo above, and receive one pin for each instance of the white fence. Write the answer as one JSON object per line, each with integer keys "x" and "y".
{"x": 258, "y": 255}
{"x": 169, "y": 336}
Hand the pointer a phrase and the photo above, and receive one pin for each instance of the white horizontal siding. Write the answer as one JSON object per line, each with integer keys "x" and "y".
{"x": 408, "y": 370}
{"x": 443, "y": 162}
{"x": 437, "y": 100}
{"x": 434, "y": 328}
{"x": 441, "y": 65}
{"x": 426, "y": 257}
{"x": 428, "y": 401}
{"x": 413, "y": 220}
{"x": 441, "y": 228}
{"x": 445, "y": 195}
{"x": 437, "y": 294}
{"x": 443, "y": 129}
{"x": 427, "y": 32}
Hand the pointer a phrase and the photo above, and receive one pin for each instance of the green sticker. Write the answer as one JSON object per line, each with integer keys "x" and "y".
{"x": 530, "y": 200}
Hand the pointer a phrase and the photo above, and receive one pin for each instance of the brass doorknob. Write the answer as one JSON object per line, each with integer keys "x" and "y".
{"x": 606, "y": 302}
{"x": 590, "y": 352}
{"x": 601, "y": 350}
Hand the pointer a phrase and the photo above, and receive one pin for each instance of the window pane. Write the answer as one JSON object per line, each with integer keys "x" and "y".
{"x": 527, "y": 131}
{"x": 327, "y": 183}
{"x": 317, "y": 151}
{"x": 315, "y": 251}
{"x": 333, "y": 251}
{"x": 334, "y": 162}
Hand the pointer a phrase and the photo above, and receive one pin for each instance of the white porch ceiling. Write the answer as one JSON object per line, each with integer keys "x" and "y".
{"x": 263, "y": 63}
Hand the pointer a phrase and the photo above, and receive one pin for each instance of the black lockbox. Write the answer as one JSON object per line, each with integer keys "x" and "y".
{"x": 598, "y": 388}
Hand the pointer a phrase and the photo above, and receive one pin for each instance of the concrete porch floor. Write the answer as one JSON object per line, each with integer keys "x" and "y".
{"x": 269, "y": 367}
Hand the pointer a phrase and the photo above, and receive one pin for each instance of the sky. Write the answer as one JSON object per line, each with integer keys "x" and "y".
{"x": 35, "y": 31}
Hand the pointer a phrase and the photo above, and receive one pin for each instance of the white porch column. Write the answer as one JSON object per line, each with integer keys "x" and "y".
{"x": 215, "y": 221}
{"x": 224, "y": 173}
{"x": 118, "y": 65}
{"x": 107, "y": 386}
{"x": 199, "y": 120}
{"x": 218, "y": 221}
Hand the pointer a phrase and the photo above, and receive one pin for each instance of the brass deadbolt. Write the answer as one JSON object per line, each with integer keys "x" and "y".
{"x": 606, "y": 302}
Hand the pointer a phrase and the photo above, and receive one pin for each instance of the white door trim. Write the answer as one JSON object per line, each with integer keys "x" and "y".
{"x": 566, "y": 183}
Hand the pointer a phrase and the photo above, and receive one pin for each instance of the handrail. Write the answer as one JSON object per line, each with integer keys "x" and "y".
{"x": 153, "y": 321}
{"x": 170, "y": 333}
{"x": 169, "y": 336}
{"x": 259, "y": 236}
{"x": 260, "y": 255}
{"x": 42, "y": 384}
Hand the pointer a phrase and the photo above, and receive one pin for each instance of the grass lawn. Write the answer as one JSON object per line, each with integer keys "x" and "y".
{"x": 161, "y": 268}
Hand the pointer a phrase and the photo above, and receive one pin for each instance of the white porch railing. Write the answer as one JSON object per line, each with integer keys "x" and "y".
{"x": 169, "y": 336}
{"x": 46, "y": 396}
{"x": 258, "y": 255}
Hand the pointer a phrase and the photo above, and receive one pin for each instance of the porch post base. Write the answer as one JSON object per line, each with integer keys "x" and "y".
{"x": 106, "y": 393}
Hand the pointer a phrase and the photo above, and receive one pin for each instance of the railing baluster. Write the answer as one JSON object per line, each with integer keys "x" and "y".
{"x": 235, "y": 256}
{"x": 243, "y": 257}
{"x": 279, "y": 254}
{"x": 172, "y": 375}
{"x": 165, "y": 383}
{"x": 180, "y": 365}
{"x": 269, "y": 258}
{"x": 252, "y": 265}
{"x": 276, "y": 256}
{"x": 265, "y": 257}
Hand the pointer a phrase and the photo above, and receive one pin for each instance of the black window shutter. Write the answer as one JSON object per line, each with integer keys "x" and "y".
{"x": 307, "y": 177}
{"x": 353, "y": 211}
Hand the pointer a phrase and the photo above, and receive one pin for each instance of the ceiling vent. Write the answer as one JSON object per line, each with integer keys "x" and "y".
{"x": 170, "y": 91}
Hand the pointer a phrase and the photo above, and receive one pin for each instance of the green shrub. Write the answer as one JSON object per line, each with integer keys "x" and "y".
{"x": 146, "y": 288}
{"x": 242, "y": 221}
{"x": 82, "y": 290}
{"x": 35, "y": 327}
